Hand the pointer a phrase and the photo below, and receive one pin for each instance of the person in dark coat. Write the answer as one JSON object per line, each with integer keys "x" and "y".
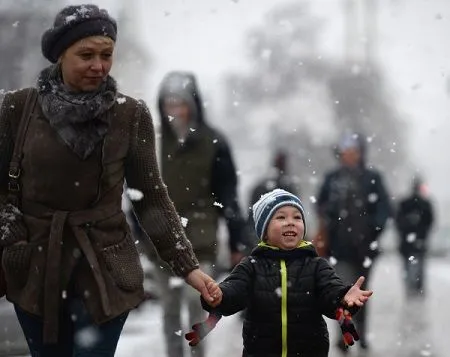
{"x": 414, "y": 220}
{"x": 353, "y": 208}
{"x": 69, "y": 261}
{"x": 285, "y": 286}
{"x": 198, "y": 168}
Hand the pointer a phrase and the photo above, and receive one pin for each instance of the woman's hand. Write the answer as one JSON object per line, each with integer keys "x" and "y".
{"x": 356, "y": 296}
{"x": 206, "y": 285}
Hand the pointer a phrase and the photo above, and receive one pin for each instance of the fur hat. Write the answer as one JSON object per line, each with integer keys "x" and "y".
{"x": 266, "y": 206}
{"x": 74, "y": 23}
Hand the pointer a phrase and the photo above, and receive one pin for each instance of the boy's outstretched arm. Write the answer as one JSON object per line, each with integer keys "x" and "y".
{"x": 355, "y": 296}
{"x": 330, "y": 289}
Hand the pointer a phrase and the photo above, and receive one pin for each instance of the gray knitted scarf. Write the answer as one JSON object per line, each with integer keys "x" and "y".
{"x": 78, "y": 118}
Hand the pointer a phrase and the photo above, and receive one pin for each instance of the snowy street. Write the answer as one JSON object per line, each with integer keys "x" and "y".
{"x": 399, "y": 327}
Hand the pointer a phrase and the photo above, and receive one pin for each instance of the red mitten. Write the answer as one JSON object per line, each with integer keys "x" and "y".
{"x": 348, "y": 329}
{"x": 201, "y": 329}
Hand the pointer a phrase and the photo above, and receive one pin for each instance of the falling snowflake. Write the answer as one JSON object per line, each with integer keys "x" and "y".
{"x": 367, "y": 262}
{"x": 121, "y": 100}
{"x": 180, "y": 246}
{"x": 333, "y": 261}
{"x": 70, "y": 18}
{"x": 134, "y": 194}
{"x": 184, "y": 221}
{"x": 411, "y": 237}
{"x": 175, "y": 282}
{"x": 279, "y": 292}
{"x": 313, "y": 199}
{"x": 374, "y": 245}
{"x": 178, "y": 333}
{"x": 87, "y": 337}
{"x": 373, "y": 197}
{"x": 218, "y": 204}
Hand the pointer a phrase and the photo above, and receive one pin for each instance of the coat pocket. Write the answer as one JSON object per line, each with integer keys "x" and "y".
{"x": 123, "y": 263}
{"x": 16, "y": 264}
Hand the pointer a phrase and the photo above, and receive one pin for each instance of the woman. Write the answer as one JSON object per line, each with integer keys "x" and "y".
{"x": 70, "y": 264}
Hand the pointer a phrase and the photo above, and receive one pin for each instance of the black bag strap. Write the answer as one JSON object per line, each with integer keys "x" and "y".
{"x": 15, "y": 164}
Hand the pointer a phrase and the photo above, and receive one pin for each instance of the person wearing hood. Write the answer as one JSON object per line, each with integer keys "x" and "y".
{"x": 353, "y": 207}
{"x": 285, "y": 287}
{"x": 67, "y": 145}
{"x": 199, "y": 171}
{"x": 414, "y": 219}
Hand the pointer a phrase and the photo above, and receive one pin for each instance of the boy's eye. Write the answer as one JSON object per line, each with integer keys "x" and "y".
{"x": 279, "y": 217}
{"x": 299, "y": 217}
{"x": 106, "y": 55}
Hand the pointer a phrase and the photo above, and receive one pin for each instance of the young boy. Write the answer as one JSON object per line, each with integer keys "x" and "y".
{"x": 285, "y": 286}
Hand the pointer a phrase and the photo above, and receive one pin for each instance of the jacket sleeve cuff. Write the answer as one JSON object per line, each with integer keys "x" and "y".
{"x": 184, "y": 263}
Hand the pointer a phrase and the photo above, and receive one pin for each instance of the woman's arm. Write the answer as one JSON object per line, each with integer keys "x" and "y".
{"x": 155, "y": 211}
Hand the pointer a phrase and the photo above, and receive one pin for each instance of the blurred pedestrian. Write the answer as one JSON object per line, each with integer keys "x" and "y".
{"x": 414, "y": 219}
{"x": 66, "y": 147}
{"x": 286, "y": 287}
{"x": 353, "y": 207}
{"x": 200, "y": 174}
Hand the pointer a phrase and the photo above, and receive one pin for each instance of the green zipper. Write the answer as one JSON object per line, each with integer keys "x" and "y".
{"x": 284, "y": 316}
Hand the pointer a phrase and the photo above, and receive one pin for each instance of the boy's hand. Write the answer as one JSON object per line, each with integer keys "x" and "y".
{"x": 201, "y": 329}
{"x": 215, "y": 292}
{"x": 202, "y": 283}
{"x": 348, "y": 329}
{"x": 356, "y": 296}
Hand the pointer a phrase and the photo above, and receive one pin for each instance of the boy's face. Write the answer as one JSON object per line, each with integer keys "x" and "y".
{"x": 286, "y": 228}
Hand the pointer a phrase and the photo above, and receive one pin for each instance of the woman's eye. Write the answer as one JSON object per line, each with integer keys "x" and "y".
{"x": 85, "y": 56}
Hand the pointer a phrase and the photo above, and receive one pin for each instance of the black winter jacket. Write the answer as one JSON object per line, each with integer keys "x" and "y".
{"x": 414, "y": 220}
{"x": 334, "y": 204}
{"x": 285, "y": 294}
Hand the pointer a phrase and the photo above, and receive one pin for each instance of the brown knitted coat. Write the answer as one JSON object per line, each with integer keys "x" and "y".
{"x": 78, "y": 241}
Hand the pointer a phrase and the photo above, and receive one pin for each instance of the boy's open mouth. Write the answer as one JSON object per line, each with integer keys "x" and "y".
{"x": 289, "y": 234}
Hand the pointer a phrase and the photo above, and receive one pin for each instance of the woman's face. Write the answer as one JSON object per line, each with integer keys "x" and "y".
{"x": 87, "y": 63}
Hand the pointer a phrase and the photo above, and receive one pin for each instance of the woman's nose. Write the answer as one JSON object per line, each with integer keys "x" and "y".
{"x": 96, "y": 64}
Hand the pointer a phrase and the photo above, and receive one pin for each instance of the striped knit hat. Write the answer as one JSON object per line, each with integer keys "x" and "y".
{"x": 265, "y": 207}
